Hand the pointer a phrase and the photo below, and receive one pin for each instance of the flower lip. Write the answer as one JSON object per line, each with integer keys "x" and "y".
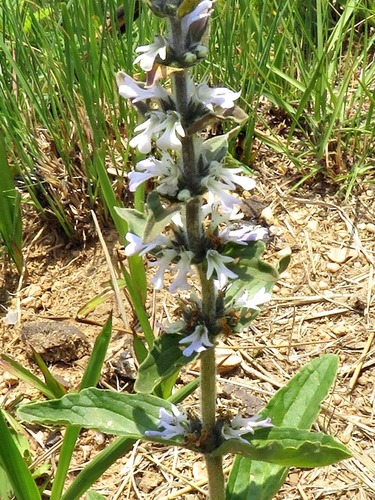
{"x": 198, "y": 341}
{"x": 131, "y": 89}
{"x": 148, "y": 53}
{"x": 239, "y": 426}
{"x": 175, "y": 424}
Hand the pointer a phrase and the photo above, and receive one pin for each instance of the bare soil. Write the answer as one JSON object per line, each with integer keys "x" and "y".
{"x": 323, "y": 303}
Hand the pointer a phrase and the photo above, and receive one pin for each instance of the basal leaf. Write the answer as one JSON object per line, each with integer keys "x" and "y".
{"x": 288, "y": 447}
{"x": 163, "y": 360}
{"x": 110, "y": 412}
{"x": 297, "y": 404}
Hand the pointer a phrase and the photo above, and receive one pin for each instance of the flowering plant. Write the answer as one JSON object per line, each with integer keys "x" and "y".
{"x": 193, "y": 228}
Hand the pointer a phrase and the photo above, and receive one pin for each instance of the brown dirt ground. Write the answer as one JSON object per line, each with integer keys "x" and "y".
{"x": 323, "y": 303}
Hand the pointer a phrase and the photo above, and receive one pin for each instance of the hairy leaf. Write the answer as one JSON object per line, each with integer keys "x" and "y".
{"x": 295, "y": 405}
{"x": 289, "y": 447}
{"x": 162, "y": 361}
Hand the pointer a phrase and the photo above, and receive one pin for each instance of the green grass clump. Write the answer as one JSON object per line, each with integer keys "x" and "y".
{"x": 311, "y": 64}
{"x": 65, "y": 128}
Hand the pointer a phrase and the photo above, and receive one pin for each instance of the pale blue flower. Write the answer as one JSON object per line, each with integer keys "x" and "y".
{"x": 130, "y": 89}
{"x": 261, "y": 297}
{"x": 221, "y": 180}
{"x": 198, "y": 341}
{"x": 164, "y": 127}
{"x": 149, "y": 53}
{"x": 201, "y": 11}
{"x": 142, "y": 141}
{"x": 145, "y": 169}
{"x": 174, "y": 424}
{"x": 137, "y": 247}
{"x": 243, "y": 234}
{"x": 163, "y": 263}
{"x": 216, "y": 263}
{"x": 183, "y": 268}
{"x": 170, "y": 127}
{"x": 166, "y": 169}
{"x": 221, "y": 96}
{"x": 229, "y": 176}
{"x": 239, "y": 426}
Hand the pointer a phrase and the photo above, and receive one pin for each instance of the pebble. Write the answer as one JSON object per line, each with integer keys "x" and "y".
{"x": 34, "y": 291}
{"x": 370, "y": 227}
{"x": 341, "y": 255}
{"x": 313, "y": 225}
{"x": 363, "y": 380}
{"x": 267, "y": 216}
{"x": 324, "y": 285}
{"x": 340, "y": 330}
{"x": 10, "y": 379}
{"x": 28, "y": 301}
{"x": 284, "y": 252}
{"x": 336, "y": 399}
{"x": 333, "y": 267}
{"x": 227, "y": 360}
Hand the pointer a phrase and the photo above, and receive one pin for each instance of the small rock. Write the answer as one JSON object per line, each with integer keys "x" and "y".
{"x": 34, "y": 291}
{"x": 10, "y": 379}
{"x": 333, "y": 267}
{"x": 313, "y": 225}
{"x": 341, "y": 255}
{"x": 55, "y": 341}
{"x": 227, "y": 361}
{"x": 323, "y": 285}
{"x": 363, "y": 380}
{"x": 284, "y": 252}
{"x": 336, "y": 400}
{"x": 28, "y": 301}
{"x": 267, "y": 216}
{"x": 340, "y": 330}
{"x": 370, "y": 227}
{"x": 199, "y": 471}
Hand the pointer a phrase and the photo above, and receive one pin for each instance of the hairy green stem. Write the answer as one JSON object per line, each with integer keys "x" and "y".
{"x": 196, "y": 240}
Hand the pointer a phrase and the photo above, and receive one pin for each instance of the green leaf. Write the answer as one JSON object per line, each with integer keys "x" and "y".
{"x": 253, "y": 275}
{"x": 94, "y": 495}
{"x": 283, "y": 264}
{"x": 295, "y": 405}
{"x": 14, "y": 465}
{"x": 110, "y": 412}
{"x": 163, "y": 360}
{"x": 158, "y": 217}
{"x": 215, "y": 148}
{"x": 22, "y": 373}
{"x": 10, "y": 210}
{"x": 94, "y": 368}
{"x": 250, "y": 268}
{"x": 136, "y": 220}
{"x": 288, "y": 446}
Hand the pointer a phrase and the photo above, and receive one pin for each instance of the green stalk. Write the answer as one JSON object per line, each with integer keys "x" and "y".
{"x": 195, "y": 239}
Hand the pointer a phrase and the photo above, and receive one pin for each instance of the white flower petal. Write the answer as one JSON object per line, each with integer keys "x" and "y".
{"x": 149, "y": 53}
{"x": 261, "y": 297}
{"x": 198, "y": 341}
{"x": 240, "y": 426}
{"x": 174, "y": 424}
{"x": 216, "y": 263}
